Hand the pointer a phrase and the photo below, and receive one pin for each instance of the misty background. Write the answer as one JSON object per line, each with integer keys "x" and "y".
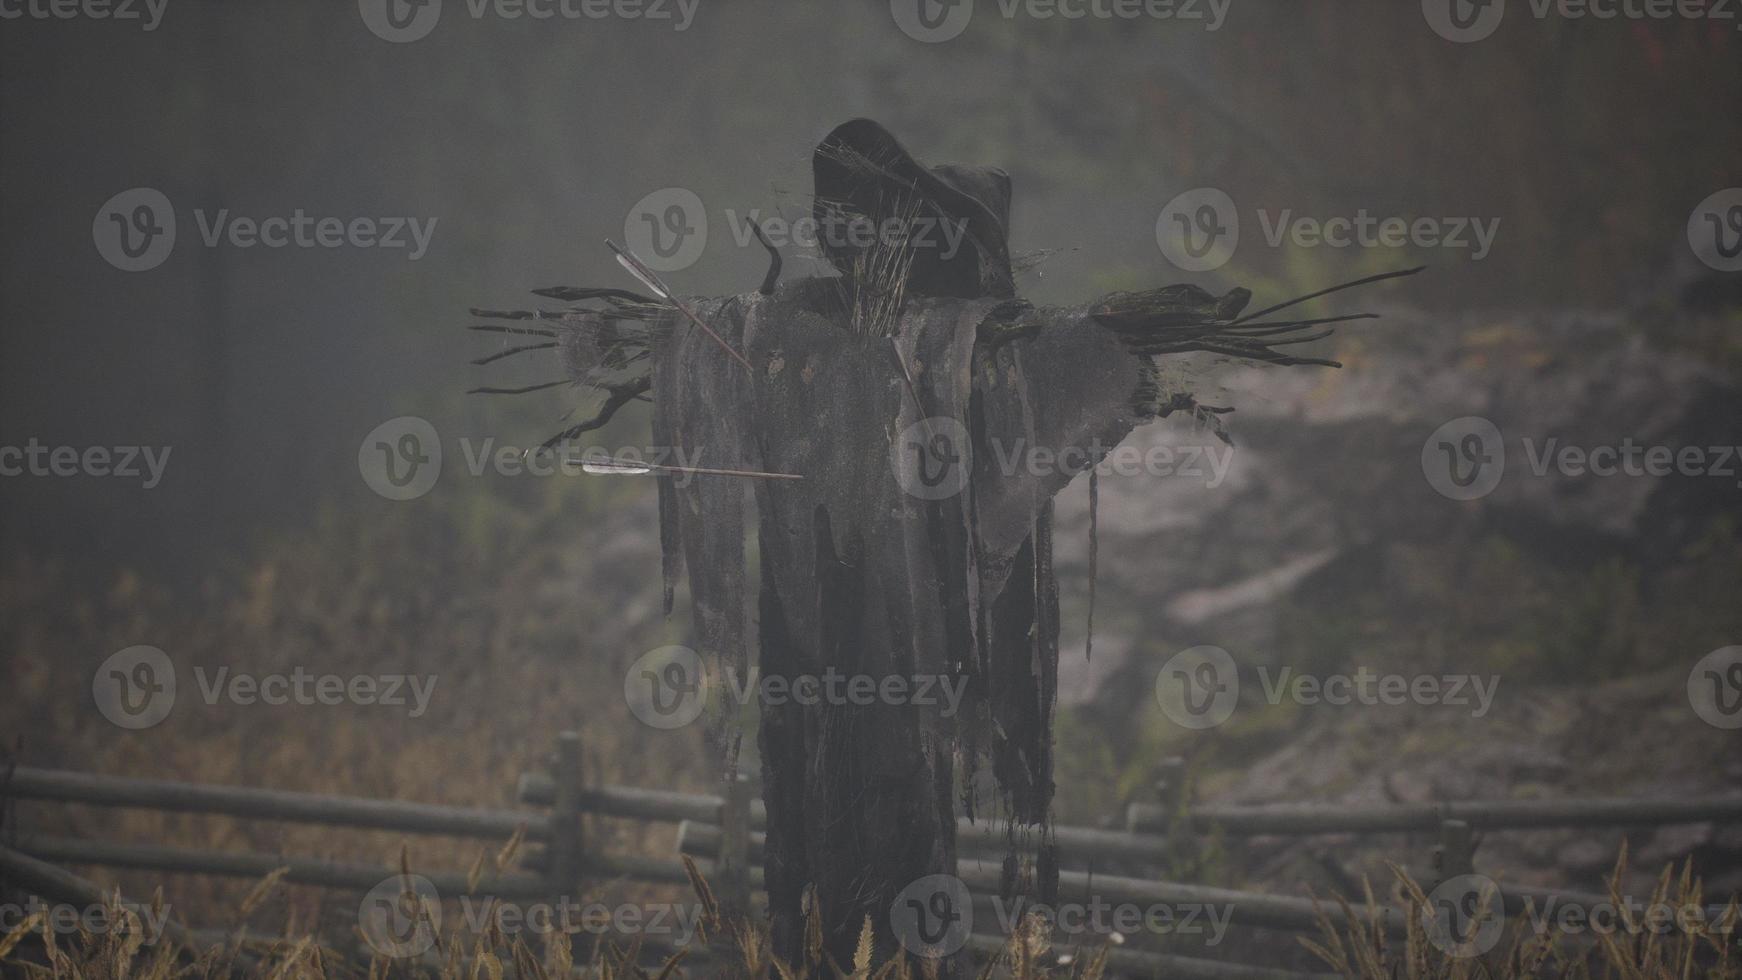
{"x": 528, "y": 141}
{"x": 1587, "y": 145}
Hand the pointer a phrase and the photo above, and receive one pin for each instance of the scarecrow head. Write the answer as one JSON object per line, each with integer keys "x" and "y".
{"x": 884, "y": 216}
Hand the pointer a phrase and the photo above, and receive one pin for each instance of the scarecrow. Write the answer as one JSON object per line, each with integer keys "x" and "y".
{"x": 866, "y": 416}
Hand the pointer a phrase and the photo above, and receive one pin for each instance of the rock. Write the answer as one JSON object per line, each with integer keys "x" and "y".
{"x": 1324, "y": 498}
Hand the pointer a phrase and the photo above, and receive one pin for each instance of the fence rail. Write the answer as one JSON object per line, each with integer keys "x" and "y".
{"x": 725, "y": 833}
{"x": 1303, "y": 820}
{"x": 270, "y": 804}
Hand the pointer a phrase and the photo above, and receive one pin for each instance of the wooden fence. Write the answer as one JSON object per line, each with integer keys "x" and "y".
{"x": 725, "y": 834}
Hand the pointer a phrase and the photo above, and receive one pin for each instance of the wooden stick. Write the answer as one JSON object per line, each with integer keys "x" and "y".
{"x": 639, "y": 270}
{"x": 631, "y": 467}
{"x": 1326, "y": 292}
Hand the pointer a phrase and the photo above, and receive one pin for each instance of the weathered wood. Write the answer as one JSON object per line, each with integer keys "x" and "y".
{"x": 564, "y": 827}
{"x": 1170, "y": 784}
{"x": 34, "y": 875}
{"x": 1074, "y": 843}
{"x": 1146, "y": 820}
{"x": 242, "y": 864}
{"x": 734, "y": 845}
{"x": 1307, "y": 819}
{"x": 97, "y": 789}
{"x": 633, "y": 803}
{"x": 1455, "y": 854}
{"x": 1147, "y": 964}
{"x": 702, "y": 840}
{"x": 345, "y": 876}
{"x": 1168, "y": 307}
{"x": 1248, "y": 908}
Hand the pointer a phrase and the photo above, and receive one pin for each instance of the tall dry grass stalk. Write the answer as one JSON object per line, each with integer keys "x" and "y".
{"x": 723, "y": 945}
{"x": 877, "y": 285}
{"x": 1630, "y": 952}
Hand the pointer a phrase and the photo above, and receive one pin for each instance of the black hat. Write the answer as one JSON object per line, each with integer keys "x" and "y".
{"x": 862, "y": 172}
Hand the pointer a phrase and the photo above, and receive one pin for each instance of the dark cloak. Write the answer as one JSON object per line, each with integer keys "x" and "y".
{"x": 859, "y": 576}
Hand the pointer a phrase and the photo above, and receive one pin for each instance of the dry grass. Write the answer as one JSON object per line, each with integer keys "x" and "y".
{"x": 1632, "y": 952}
{"x": 497, "y": 622}
{"x": 725, "y": 945}
{"x": 523, "y": 642}
{"x": 728, "y": 945}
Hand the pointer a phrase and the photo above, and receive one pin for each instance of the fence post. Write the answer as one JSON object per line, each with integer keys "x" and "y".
{"x": 734, "y": 867}
{"x": 1170, "y": 793}
{"x": 564, "y": 871}
{"x": 1170, "y": 786}
{"x": 1455, "y": 854}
